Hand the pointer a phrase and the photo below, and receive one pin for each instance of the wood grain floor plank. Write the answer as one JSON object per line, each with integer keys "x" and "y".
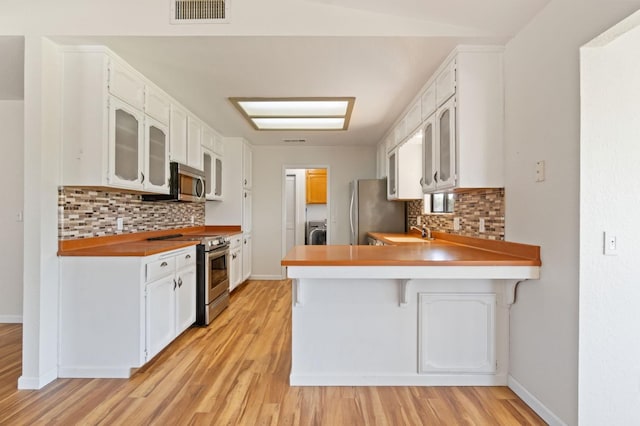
{"x": 236, "y": 372}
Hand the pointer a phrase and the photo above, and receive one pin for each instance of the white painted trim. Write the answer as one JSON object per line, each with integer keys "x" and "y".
{"x": 267, "y": 277}
{"x": 415, "y": 272}
{"x": 10, "y": 319}
{"x": 534, "y": 403}
{"x": 399, "y": 380}
{"x": 94, "y": 373}
{"x": 37, "y": 382}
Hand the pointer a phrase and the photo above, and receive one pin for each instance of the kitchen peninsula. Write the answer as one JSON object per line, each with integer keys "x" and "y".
{"x": 426, "y": 313}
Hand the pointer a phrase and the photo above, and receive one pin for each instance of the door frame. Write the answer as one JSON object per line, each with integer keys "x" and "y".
{"x": 283, "y": 221}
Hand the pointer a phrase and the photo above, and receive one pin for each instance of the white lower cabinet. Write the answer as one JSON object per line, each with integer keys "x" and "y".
{"x": 457, "y": 333}
{"x": 116, "y": 313}
{"x": 246, "y": 256}
{"x": 236, "y": 262}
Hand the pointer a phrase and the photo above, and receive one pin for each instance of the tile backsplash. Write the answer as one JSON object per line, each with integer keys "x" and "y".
{"x": 87, "y": 212}
{"x": 469, "y": 205}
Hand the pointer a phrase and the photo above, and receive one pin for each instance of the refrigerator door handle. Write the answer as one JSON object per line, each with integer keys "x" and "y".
{"x": 351, "y": 213}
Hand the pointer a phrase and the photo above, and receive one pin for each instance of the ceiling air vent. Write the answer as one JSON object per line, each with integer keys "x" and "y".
{"x": 199, "y": 11}
{"x": 294, "y": 140}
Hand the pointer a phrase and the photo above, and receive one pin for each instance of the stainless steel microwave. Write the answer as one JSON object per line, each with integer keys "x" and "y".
{"x": 185, "y": 184}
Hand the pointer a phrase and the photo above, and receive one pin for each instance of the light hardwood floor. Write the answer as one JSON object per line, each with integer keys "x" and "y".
{"x": 236, "y": 372}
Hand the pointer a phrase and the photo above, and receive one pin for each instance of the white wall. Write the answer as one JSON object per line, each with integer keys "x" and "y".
{"x": 609, "y": 384}
{"x": 11, "y": 245}
{"x": 344, "y": 165}
{"x": 542, "y": 123}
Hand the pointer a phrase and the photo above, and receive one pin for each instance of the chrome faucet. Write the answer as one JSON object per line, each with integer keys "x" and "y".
{"x": 426, "y": 232}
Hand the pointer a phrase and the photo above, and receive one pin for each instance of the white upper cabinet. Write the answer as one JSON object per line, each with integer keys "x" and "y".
{"x": 157, "y": 105}
{"x": 119, "y": 129}
{"x": 414, "y": 116}
{"x": 156, "y": 156}
{"x": 428, "y": 101}
{"x": 462, "y": 118}
{"x": 247, "y": 164}
{"x": 194, "y": 142}
{"x": 178, "y": 131}
{"x": 125, "y": 84}
{"x": 446, "y": 82}
{"x": 403, "y": 181}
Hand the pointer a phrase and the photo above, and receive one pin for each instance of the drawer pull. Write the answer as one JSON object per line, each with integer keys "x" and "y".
{"x": 163, "y": 264}
{"x": 188, "y": 256}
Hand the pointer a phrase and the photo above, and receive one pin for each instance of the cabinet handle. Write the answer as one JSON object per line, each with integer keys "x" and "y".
{"x": 245, "y": 181}
{"x": 142, "y": 174}
{"x": 163, "y": 264}
{"x": 175, "y": 284}
{"x": 435, "y": 176}
{"x": 245, "y": 195}
{"x": 234, "y": 256}
{"x": 188, "y": 256}
{"x": 179, "y": 282}
{"x": 421, "y": 181}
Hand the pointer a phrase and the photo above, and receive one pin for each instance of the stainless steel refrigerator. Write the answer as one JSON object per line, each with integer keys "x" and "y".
{"x": 370, "y": 211}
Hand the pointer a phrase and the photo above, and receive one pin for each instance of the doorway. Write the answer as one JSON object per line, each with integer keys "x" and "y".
{"x": 306, "y": 207}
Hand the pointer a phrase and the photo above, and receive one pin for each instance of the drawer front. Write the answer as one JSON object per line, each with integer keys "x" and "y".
{"x": 160, "y": 268}
{"x": 236, "y": 241}
{"x": 185, "y": 259}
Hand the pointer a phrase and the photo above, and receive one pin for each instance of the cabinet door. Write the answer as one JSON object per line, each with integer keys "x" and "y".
{"x": 446, "y": 83}
{"x": 400, "y": 131}
{"x": 208, "y": 138}
{"x": 156, "y": 156}
{"x": 194, "y": 143}
{"x": 125, "y": 145}
{"x": 316, "y": 186}
{"x": 247, "y": 163}
{"x": 446, "y": 145}
{"x": 218, "y": 164}
{"x": 126, "y": 85}
{"x": 235, "y": 272}
{"x": 392, "y": 175}
{"x": 157, "y": 105}
{"x": 208, "y": 163}
{"x": 246, "y": 211}
{"x": 178, "y": 139}
{"x": 428, "y": 155}
{"x": 185, "y": 299}
{"x": 457, "y": 333}
{"x": 414, "y": 117}
{"x": 160, "y": 315}
{"x": 246, "y": 257}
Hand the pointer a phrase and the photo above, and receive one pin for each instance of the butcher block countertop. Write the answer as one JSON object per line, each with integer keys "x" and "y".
{"x": 444, "y": 250}
{"x": 136, "y": 244}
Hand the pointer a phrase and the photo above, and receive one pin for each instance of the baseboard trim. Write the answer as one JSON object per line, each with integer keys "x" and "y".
{"x": 10, "y": 319}
{"x": 266, "y": 277}
{"x": 398, "y": 380}
{"x": 94, "y": 373}
{"x": 34, "y": 383}
{"x": 533, "y": 402}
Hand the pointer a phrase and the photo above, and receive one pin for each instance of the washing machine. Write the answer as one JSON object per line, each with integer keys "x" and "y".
{"x": 316, "y": 232}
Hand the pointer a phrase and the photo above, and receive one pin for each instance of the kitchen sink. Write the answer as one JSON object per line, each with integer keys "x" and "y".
{"x": 407, "y": 240}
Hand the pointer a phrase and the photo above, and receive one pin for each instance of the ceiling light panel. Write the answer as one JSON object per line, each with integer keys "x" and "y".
{"x": 296, "y": 113}
{"x": 295, "y": 108}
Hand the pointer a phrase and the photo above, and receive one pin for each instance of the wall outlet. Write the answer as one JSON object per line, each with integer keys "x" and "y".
{"x": 419, "y": 220}
{"x": 119, "y": 224}
{"x": 193, "y": 219}
{"x": 610, "y": 244}
{"x": 481, "y": 226}
{"x": 456, "y": 223}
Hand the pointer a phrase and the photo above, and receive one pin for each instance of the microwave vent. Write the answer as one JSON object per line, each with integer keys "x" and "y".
{"x": 199, "y": 11}
{"x": 299, "y": 140}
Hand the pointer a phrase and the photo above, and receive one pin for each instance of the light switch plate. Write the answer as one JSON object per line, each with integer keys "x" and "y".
{"x": 540, "y": 173}
{"x": 119, "y": 224}
{"x": 456, "y": 223}
{"x": 481, "y": 227}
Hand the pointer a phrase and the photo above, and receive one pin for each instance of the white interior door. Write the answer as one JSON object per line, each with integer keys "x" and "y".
{"x": 290, "y": 211}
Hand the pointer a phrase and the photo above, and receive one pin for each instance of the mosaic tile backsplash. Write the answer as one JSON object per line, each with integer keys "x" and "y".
{"x": 86, "y": 213}
{"x": 469, "y": 206}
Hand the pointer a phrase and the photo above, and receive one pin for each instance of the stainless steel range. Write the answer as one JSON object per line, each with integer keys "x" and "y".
{"x": 212, "y": 289}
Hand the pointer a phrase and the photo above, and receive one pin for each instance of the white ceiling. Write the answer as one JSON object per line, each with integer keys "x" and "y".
{"x": 383, "y": 73}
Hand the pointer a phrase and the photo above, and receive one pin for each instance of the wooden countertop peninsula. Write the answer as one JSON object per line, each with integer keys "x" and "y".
{"x": 136, "y": 244}
{"x": 444, "y": 250}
